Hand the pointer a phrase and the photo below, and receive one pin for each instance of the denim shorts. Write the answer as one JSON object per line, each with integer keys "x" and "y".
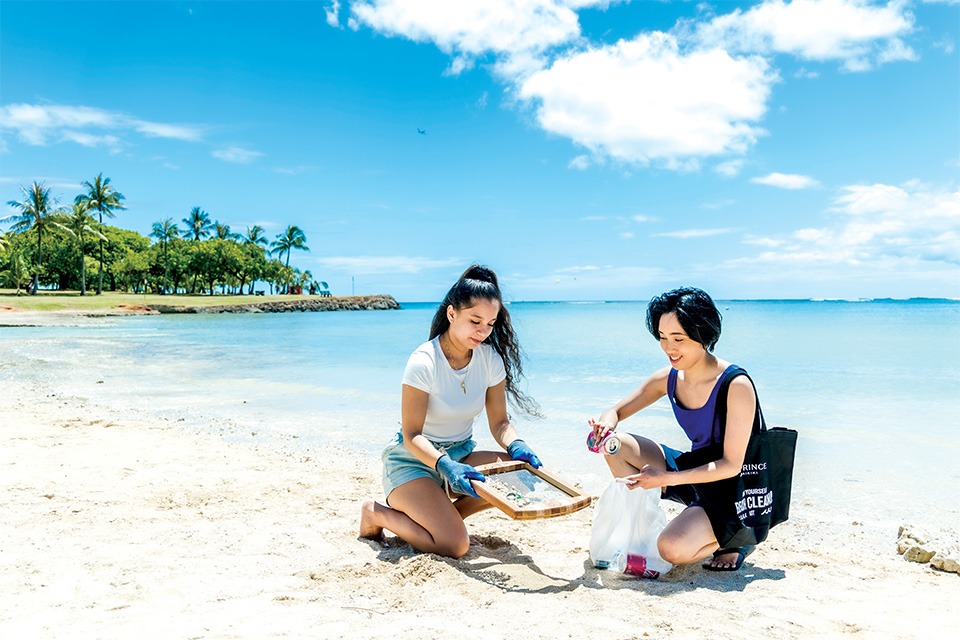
{"x": 400, "y": 466}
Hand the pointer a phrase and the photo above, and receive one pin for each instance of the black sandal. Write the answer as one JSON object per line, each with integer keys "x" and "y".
{"x": 742, "y": 553}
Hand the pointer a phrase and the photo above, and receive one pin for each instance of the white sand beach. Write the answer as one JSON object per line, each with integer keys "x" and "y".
{"x": 120, "y": 526}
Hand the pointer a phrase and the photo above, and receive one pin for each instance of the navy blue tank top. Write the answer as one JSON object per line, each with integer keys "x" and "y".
{"x": 701, "y": 425}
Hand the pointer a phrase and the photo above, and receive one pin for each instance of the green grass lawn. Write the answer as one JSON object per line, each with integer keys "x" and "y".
{"x": 72, "y": 300}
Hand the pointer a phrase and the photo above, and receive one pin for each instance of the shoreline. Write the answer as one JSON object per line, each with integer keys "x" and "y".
{"x": 331, "y": 303}
{"x": 123, "y": 521}
{"x": 11, "y": 315}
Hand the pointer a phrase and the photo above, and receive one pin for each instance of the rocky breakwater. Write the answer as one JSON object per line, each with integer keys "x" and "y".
{"x": 342, "y": 303}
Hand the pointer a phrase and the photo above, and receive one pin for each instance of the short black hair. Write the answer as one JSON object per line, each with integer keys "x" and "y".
{"x": 695, "y": 311}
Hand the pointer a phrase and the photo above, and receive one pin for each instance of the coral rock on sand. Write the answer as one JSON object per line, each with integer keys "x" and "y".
{"x": 948, "y": 560}
{"x": 914, "y": 547}
{"x": 918, "y": 554}
{"x": 909, "y": 538}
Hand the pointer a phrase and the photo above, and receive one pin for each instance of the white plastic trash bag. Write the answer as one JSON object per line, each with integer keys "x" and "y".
{"x": 626, "y": 525}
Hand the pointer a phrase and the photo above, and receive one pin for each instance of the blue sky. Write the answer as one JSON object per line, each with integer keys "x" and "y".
{"x": 584, "y": 150}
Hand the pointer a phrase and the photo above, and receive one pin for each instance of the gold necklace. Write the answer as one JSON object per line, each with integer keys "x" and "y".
{"x": 463, "y": 381}
{"x": 463, "y": 378}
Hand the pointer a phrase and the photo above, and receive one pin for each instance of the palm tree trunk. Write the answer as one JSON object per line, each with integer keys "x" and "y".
{"x": 83, "y": 267}
{"x": 100, "y": 280}
{"x": 36, "y": 274}
{"x": 166, "y": 270}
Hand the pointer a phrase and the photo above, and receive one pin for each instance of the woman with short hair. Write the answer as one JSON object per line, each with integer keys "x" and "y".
{"x": 687, "y": 324}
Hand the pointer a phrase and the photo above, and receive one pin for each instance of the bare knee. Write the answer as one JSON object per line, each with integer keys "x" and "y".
{"x": 621, "y": 464}
{"x": 453, "y": 547}
{"x": 673, "y": 550}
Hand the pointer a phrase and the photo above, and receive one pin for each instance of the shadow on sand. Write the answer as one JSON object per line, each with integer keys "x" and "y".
{"x": 499, "y": 563}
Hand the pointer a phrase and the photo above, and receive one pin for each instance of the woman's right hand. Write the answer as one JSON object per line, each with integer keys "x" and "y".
{"x": 601, "y": 427}
{"x": 459, "y": 475}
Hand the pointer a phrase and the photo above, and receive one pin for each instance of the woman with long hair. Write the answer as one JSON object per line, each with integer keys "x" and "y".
{"x": 471, "y": 363}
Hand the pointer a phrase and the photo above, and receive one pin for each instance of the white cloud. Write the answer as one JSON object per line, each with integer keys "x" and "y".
{"x": 581, "y": 162}
{"x": 730, "y": 168}
{"x": 763, "y": 242}
{"x": 366, "y": 265}
{"x": 582, "y": 268}
{"x": 718, "y": 204}
{"x": 852, "y": 31}
{"x": 294, "y": 171}
{"x": 786, "y": 181}
{"x": 332, "y": 12}
{"x": 163, "y": 130}
{"x": 647, "y": 100}
{"x": 458, "y": 66}
{"x": 945, "y": 44}
{"x": 688, "y": 234}
{"x": 90, "y": 140}
{"x": 666, "y": 98}
{"x": 472, "y": 28}
{"x": 238, "y": 155}
{"x": 877, "y": 227}
{"x": 896, "y": 50}
{"x": 593, "y": 282}
{"x": 39, "y": 124}
{"x": 52, "y": 182}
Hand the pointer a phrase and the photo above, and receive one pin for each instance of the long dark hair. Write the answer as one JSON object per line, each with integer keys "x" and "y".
{"x": 480, "y": 283}
{"x": 695, "y": 310}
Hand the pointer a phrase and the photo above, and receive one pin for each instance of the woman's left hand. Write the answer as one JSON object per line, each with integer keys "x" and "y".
{"x": 519, "y": 450}
{"x": 648, "y": 478}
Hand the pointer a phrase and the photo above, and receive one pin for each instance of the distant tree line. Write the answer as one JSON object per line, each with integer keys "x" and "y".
{"x": 69, "y": 248}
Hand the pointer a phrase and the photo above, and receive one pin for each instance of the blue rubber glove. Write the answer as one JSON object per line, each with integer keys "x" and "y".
{"x": 459, "y": 475}
{"x": 519, "y": 450}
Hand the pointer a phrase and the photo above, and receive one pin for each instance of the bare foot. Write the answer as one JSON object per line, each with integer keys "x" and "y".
{"x": 367, "y": 515}
{"x": 728, "y": 559}
{"x": 724, "y": 560}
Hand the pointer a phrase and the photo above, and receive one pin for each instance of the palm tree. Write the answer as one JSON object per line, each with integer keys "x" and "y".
{"x": 198, "y": 223}
{"x": 255, "y": 236}
{"x": 37, "y": 210}
{"x": 76, "y": 224}
{"x": 17, "y": 271}
{"x": 292, "y": 238}
{"x": 164, "y": 231}
{"x": 105, "y": 199}
{"x": 222, "y": 231}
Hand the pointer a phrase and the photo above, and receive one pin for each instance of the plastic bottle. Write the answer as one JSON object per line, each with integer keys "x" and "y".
{"x": 631, "y": 564}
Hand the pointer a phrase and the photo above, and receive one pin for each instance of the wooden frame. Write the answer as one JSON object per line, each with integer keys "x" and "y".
{"x": 573, "y": 499}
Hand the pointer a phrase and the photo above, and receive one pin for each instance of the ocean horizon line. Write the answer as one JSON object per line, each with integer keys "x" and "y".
{"x": 915, "y": 299}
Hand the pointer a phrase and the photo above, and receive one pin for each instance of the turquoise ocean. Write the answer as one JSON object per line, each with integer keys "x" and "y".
{"x": 873, "y": 387}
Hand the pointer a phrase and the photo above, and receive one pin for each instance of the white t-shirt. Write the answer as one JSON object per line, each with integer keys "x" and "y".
{"x": 453, "y": 406}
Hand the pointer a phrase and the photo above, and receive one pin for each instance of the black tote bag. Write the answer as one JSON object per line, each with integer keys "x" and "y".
{"x": 743, "y": 508}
